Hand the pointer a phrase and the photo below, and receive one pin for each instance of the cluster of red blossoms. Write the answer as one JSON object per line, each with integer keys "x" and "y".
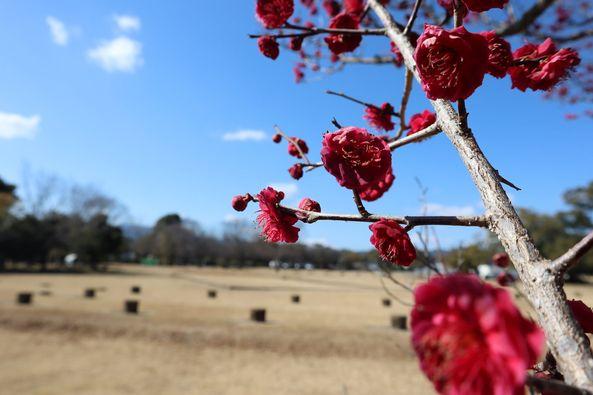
{"x": 470, "y": 337}
{"x": 452, "y": 63}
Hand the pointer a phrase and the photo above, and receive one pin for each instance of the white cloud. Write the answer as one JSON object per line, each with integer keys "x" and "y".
{"x": 440, "y": 209}
{"x": 127, "y": 23}
{"x": 59, "y": 33}
{"x": 244, "y": 135}
{"x": 14, "y": 126}
{"x": 289, "y": 189}
{"x": 119, "y": 54}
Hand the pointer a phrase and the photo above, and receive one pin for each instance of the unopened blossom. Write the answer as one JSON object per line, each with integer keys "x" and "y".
{"x": 501, "y": 260}
{"x": 500, "y": 55}
{"x": 471, "y": 338}
{"x": 355, "y": 157}
{"x": 451, "y": 63}
{"x": 296, "y": 43}
{"x": 421, "y": 121}
{"x": 380, "y": 117}
{"x": 332, "y": 7}
{"x": 341, "y": 43}
{"x": 277, "y": 224}
{"x": 269, "y": 47}
{"x": 274, "y": 13}
{"x": 277, "y": 138}
{"x": 240, "y": 202}
{"x": 296, "y": 171}
{"x": 541, "y": 67}
{"x": 294, "y": 151}
{"x": 505, "y": 279}
{"x": 310, "y": 205}
{"x": 583, "y": 314}
{"x": 392, "y": 242}
{"x": 299, "y": 75}
{"x": 377, "y": 189}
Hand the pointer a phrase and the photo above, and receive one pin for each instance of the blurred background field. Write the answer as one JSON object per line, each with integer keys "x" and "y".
{"x": 338, "y": 340}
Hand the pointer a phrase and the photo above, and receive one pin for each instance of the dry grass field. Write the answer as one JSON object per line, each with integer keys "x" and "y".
{"x": 338, "y": 340}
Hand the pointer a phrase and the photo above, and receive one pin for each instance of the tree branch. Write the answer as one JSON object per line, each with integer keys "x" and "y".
{"x": 565, "y": 338}
{"x": 411, "y": 221}
{"x": 313, "y": 31}
{"x": 377, "y": 59}
{"x": 572, "y": 256}
{"x": 343, "y": 95}
{"x": 412, "y": 19}
{"x": 527, "y": 19}
{"x": 408, "y": 83}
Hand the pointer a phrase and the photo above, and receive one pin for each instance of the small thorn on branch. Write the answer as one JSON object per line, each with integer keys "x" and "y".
{"x": 506, "y": 182}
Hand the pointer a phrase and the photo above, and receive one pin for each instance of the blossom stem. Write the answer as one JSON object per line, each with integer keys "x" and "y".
{"x": 294, "y": 144}
{"x": 359, "y": 205}
{"x": 343, "y": 95}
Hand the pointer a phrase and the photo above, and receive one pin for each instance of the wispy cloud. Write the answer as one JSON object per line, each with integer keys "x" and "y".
{"x": 290, "y": 189}
{"x": 244, "y": 135}
{"x": 120, "y": 54}
{"x": 440, "y": 209}
{"x": 58, "y": 31}
{"x": 127, "y": 23}
{"x": 13, "y": 126}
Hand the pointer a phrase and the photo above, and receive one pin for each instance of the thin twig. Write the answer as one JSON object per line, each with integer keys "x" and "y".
{"x": 294, "y": 144}
{"x": 409, "y": 79}
{"x": 412, "y": 17}
{"x": 313, "y": 31}
{"x": 572, "y": 256}
{"x": 343, "y": 95}
{"x": 359, "y": 205}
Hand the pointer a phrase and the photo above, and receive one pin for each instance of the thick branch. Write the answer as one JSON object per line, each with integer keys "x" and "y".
{"x": 527, "y": 19}
{"x": 572, "y": 256}
{"x": 565, "y": 338}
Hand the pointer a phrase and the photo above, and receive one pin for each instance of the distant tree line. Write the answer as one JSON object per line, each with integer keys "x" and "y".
{"x": 36, "y": 236}
{"x": 50, "y": 222}
{"x": 553, "y": 233}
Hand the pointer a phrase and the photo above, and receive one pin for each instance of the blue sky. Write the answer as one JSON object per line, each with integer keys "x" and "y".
{"x": 134, "y": 97}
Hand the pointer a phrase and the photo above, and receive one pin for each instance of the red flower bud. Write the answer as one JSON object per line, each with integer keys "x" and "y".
{"x": 484, "y": 5}
{"x": 269, "y": 47}
{"x": 294, "y": 151}
{"x": 501, "y": 260}
{"x": 505, "y": 279}
{"x": 296, "y": 171}
{"x": 240, "y": 202}
{"x": 340, "y": 43}
{"x": 309, "y": 205}
{"x": 392, "y": 242}
{"x": 277, "y": 138}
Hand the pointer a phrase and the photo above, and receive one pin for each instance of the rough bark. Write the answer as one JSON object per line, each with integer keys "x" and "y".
{"x": 543, "y": 287}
